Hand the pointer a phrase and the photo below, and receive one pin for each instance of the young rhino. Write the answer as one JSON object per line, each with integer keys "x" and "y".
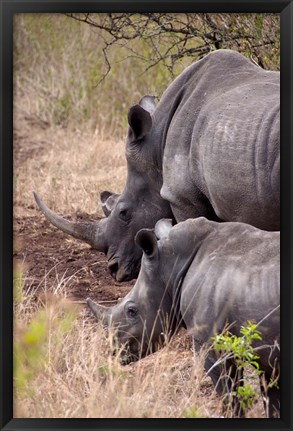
{"x": 204, "y": 275}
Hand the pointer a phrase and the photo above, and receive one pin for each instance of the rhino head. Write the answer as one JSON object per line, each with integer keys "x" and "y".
{"x": 140, "y": 205}
{"x": 143, "y": 319}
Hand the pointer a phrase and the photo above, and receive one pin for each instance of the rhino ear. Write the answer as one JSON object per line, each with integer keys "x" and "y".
{"x": 140, "y": 122}
{"x": 108, "y": 201}
{"x": 147, "y": 241}
{"x": 163, "y": 228}
{"x": 148, "y": 103}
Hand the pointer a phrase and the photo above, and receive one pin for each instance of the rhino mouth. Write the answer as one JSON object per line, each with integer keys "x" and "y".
{"x": 121, "y": 273}
{"x": 113, "y": 267}
{"x": 126, "y": 359}
{"x": 129, "y": 354}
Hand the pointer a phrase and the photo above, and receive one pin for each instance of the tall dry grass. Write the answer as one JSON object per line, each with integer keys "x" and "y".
{"x": 64, "y": 367}
{"x": 69, "y": 170}
{"x": 58, "y": 64}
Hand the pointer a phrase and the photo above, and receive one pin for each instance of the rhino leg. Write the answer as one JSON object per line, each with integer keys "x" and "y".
{"x": 226, "y": 379}
{"x": 271, "y": 396}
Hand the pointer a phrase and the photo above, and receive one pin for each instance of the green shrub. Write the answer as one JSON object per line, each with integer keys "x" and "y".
{"x": 240, "y": 349}
{"x": 34, "y": 343}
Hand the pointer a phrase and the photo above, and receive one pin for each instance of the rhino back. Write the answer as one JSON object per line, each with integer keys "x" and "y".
{"x": 222, "y": 143}
{"x": 234, "y": 277}
{"x": 235, "y": 155}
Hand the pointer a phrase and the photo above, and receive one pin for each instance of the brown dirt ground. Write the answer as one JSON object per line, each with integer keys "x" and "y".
{"x": 48, "y": 252}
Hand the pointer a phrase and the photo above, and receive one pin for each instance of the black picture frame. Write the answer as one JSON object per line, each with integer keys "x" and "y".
{"x": 7, "y": 9}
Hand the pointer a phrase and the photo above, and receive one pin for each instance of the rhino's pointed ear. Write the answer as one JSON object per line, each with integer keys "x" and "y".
{"x": 108, "y": 201}
{"x": 148, "y": 103}
{"x": 140, "y": 122}
{"x": 147, "y": 241}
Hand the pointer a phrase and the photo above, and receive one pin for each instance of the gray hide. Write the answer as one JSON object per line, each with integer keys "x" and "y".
{"x": 203, "y": 275}
{"x": 209, "y": 148}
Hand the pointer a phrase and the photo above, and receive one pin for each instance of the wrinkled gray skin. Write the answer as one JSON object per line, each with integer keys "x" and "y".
{"x": 209, "y": 148}
{"x": 230, "y": 274}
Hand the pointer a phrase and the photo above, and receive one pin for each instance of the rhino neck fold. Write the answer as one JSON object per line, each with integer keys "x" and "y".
{"x": 176, "y": 318}
{"x": 163, "y": 116}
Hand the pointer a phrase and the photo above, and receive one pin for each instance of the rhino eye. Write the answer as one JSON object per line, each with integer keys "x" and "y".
{"x": 124, "y": 215}
{"x": 131, "y": 311}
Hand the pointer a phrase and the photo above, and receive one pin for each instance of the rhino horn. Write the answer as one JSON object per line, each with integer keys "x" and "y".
{"x": 90, "y": 232}
{"x": 98, "y": 310}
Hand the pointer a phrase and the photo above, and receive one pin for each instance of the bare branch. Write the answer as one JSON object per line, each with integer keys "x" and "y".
{"x": 171, "y": 37}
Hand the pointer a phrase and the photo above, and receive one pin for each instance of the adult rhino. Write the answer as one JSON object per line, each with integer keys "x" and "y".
{"x": 209, "y": 148}
{"x": 204, "y": 275}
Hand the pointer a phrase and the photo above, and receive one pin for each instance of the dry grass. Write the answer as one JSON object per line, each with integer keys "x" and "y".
{"x": 64, "y": 367}
{"x": 68, "y": 169}
{"x": 75, "y": 374}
